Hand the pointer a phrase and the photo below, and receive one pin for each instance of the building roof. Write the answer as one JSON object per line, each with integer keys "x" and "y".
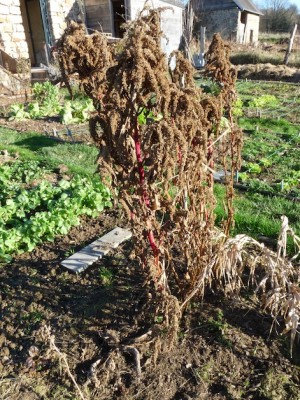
{"x": 178, "y": 3}
{"x": 247, "y": 5}
{"x": 243, "y": 5}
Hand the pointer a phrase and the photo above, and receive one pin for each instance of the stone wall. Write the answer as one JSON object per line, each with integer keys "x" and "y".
{"x": 229, "y": 24}
{"x": 223, "y": 21}
{"x": 60, "y": 12}
{"x": 16, "y": 37}
{"x": 9, "y": 83}
{"x": 12, "y": 32}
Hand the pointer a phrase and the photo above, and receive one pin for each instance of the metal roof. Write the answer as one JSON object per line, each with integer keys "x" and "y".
{"x": 247, "y": 5}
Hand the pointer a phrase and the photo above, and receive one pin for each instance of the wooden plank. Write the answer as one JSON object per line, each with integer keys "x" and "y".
{"x": 79, "y": 261}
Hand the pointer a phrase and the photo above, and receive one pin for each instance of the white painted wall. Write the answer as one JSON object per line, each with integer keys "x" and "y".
{"x": 171, "y": 22}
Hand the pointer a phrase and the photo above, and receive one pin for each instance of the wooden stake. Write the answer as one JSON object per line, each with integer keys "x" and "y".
{"x": 289, "y": 50}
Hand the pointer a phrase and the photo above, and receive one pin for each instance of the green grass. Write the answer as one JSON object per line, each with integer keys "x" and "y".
{"x": 258, "y": 215}
{"x": 274, "y": 140}
{"x": 79, "y": 158}
{"x": 271, "y": 141}
{"x": 273, "y": 37}
{"x": 271, "y": 144}
{"x": 256, "y": 57}
{"x": 281, "y": 89}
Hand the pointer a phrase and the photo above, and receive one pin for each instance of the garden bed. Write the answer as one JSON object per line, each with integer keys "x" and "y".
{"x": 225, "y": 350}
{"x": 57, "y": 328}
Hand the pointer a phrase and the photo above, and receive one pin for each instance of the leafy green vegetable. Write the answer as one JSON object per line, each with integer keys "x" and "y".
{"x": 49, "y": 102}
{"x": 29, "y": 216}
{"x": 17, "y": 112}
{"x": 264, "y": 101}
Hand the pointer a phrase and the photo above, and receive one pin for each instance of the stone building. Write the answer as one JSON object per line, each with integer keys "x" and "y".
{"x": 236, "y": 20}
{"x": 28, "y": 28}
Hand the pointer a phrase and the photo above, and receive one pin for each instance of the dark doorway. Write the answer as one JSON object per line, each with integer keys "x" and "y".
{"x": 34, "y": 31}
{"x": 251, "y": 36}
{"x": 119, "y": 17}
{"x": 243, "y": 17}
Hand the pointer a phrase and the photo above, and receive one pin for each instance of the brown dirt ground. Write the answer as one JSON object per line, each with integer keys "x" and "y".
{"x": 80, "y": 132}
{"x": 224, "y": 351}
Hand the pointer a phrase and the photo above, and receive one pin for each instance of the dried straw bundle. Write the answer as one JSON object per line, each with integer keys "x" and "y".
{"x": 274, "y": 277}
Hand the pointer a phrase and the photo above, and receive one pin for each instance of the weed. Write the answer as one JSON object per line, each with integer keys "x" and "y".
{"x": 275, "y": 386}
{"x": 205, "y": 372}
{"x": 35, "y": 317}
{"x": 106, "y": 276}
{"x": 69, "y": 252}
{"x": 219, "y": 327}
{"x": 160, "y": 129}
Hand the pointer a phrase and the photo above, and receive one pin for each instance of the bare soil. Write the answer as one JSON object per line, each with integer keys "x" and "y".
{"x": 269, "y": 72}
{"x": 224, "y": 351}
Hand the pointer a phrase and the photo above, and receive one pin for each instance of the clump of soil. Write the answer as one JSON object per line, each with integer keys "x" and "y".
{"x": 268, "y": 72}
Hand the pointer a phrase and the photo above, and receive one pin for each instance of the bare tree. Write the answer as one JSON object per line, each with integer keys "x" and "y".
{"x": 279, "y": 15}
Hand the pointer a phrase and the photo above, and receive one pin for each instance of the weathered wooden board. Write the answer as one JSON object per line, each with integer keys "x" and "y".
{"x": 79, "y": 261}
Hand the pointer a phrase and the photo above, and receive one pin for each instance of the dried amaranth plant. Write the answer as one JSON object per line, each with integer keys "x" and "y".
{"x": 156, "y": 132}
{"x": 159, "y": 137}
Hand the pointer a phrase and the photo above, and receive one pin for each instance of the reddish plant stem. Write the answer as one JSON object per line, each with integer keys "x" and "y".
{"x": 146, "y": 200}
{"x": 210, "y": 160}
{"x": 153, "y": 244}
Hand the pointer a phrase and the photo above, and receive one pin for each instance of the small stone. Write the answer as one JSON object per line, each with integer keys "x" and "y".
{"x": 33, "y": 351}
{"x": 5, "y": 352}
{"x": 2, "y": 339}
{"x": 38, "y": 296}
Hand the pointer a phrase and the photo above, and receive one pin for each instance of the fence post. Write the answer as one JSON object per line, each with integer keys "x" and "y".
{"x": 289, "y": 49}
{"x": 202, "y": 46}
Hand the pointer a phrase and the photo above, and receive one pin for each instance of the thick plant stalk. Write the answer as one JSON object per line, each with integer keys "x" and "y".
{"x": 145, "y": 196}
{"x": 140, "y": 164}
